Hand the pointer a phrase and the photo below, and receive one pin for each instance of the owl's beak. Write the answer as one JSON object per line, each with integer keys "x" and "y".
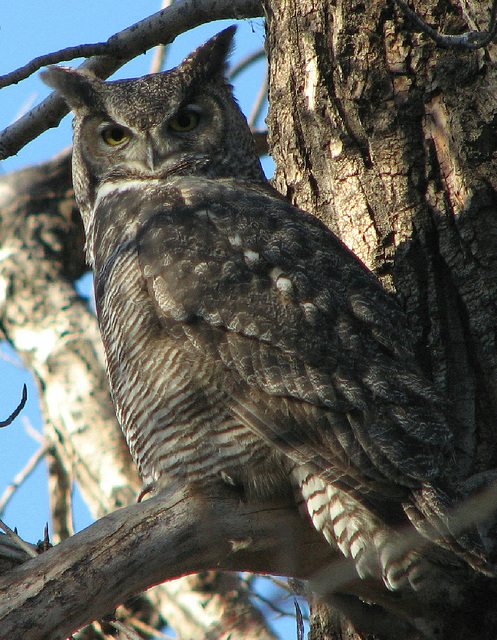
{"x": 152, "y": 159}
{"x": 155, "y": 158}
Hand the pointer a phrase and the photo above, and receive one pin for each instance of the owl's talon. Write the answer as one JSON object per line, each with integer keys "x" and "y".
{"x": 149, "y": 488}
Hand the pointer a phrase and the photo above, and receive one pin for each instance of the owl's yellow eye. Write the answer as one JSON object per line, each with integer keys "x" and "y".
{"x": 184, "y": 121}
{"x": 114, "y": 135}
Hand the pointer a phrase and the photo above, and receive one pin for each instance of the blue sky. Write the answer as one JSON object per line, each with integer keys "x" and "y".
{"x": 29, "y": 30}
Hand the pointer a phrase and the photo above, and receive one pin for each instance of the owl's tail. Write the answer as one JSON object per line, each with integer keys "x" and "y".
{"x": 400, "y": 558}
{"x": 348, "y": 525}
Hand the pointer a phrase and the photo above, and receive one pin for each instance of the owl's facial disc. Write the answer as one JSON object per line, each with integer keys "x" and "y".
{"x": 155, "y": 149}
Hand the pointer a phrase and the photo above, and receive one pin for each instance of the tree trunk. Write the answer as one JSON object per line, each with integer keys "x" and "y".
{"x": 390, "y": 140}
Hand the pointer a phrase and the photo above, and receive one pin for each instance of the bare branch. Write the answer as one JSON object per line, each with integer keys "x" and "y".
{"x": 270, "y": 603}
{"x": 300, "y": 621}
{"x": 158, "y": 59}
{"x": 18, "y": 409}
{"x": 11, "y": 554}
{"x": 147, "y": 543}
{"x": 125, "y": 629}
{"x": 160, "y": 51}
{"x": 31, "y": 431}
{"x": 171, "y": 535}
{"x": 160, "y": 28}
{"x": 140, "y": 625}
{"x": 468, "y": 40}
{"x": 22, "y": 476}
{"x": 245, "y": 62}
{"x": 22, "y": 544}
{"x": 69, "y": 53}
{"x": 259, "y": 101}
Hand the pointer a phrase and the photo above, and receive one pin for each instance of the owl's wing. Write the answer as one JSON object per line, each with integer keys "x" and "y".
{"x": 312, "y": 349}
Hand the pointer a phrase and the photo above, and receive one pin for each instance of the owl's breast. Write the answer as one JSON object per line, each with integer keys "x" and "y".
{"x": 172, "y": 397}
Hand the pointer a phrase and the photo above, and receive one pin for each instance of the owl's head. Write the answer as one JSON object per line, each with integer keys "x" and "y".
{"x": 180, "y": 122}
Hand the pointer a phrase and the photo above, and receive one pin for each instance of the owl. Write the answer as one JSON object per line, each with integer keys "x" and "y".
{"x": 248, "y": 350}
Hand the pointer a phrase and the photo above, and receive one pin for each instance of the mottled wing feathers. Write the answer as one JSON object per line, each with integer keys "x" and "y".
{"x": 307, "y": 337}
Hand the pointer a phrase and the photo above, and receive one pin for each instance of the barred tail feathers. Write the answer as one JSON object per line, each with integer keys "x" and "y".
{"x": 348, "y": 525}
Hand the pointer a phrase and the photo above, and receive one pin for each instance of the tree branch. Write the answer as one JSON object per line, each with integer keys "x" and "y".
{"x": 255, "y": 56}
{"x": 469, "y": 40}
{"x": 160, "y": 28}
{"x": 134, "y": 548}
{"x": 64, "y": 55}
{"x": 17, "y": 410}
{"x": 22, "y": 476}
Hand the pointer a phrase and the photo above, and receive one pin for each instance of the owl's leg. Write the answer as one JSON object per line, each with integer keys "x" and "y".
{"x": 347, "y": 524}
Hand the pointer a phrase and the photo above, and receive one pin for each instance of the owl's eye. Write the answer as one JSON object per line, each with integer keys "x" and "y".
{"x": 115, "y": 135}
{"x": 184, "y": 121}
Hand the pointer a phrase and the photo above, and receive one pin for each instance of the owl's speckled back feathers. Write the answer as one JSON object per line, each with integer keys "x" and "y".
{"x": 245, "y": 344}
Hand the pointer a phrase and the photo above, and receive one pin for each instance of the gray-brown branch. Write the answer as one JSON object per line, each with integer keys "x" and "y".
{"x": 469, "y": 40}
{"x": 17, "y": 410}
{"x": 129, "y": 550}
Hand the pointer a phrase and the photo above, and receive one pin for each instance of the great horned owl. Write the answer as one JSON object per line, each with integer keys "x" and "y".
{"x": 246, "y": 346}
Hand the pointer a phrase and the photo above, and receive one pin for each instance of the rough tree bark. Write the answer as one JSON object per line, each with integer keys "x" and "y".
{"x": 391, "y": 141}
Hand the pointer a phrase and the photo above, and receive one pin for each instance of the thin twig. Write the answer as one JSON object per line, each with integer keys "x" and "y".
{"x": 31, "y": 431}
{"x": 245, "y": 62}
{"x": 139, "y": 624}
{"x": 18, "y": 410}
{"x": 11, "y": 553}
{"x": 160, "y": 51}
{"x": 159, "y": 59}
{"x": 282, "y": 584}
{"x": 259, "y": 101}
{"x": 13, "y": 359}
{"x": 272, "y": 605}
{"x": 300, "y": 620}
{"x": 124, "y": 628}
{"x": 468, "y": 40}
{"x": 69, "y": 53}
{"x": 21, "y": 477}
{"x": 46, "y": 544}
{"x": 30, "y": 549}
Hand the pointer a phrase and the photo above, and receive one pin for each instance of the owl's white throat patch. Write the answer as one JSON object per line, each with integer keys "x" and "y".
{"x": 119, "y": 187}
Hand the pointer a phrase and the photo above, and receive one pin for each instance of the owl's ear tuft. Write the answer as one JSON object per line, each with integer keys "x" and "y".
{"x": 210, "y": 59}
{"x": 75, "y": 86}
